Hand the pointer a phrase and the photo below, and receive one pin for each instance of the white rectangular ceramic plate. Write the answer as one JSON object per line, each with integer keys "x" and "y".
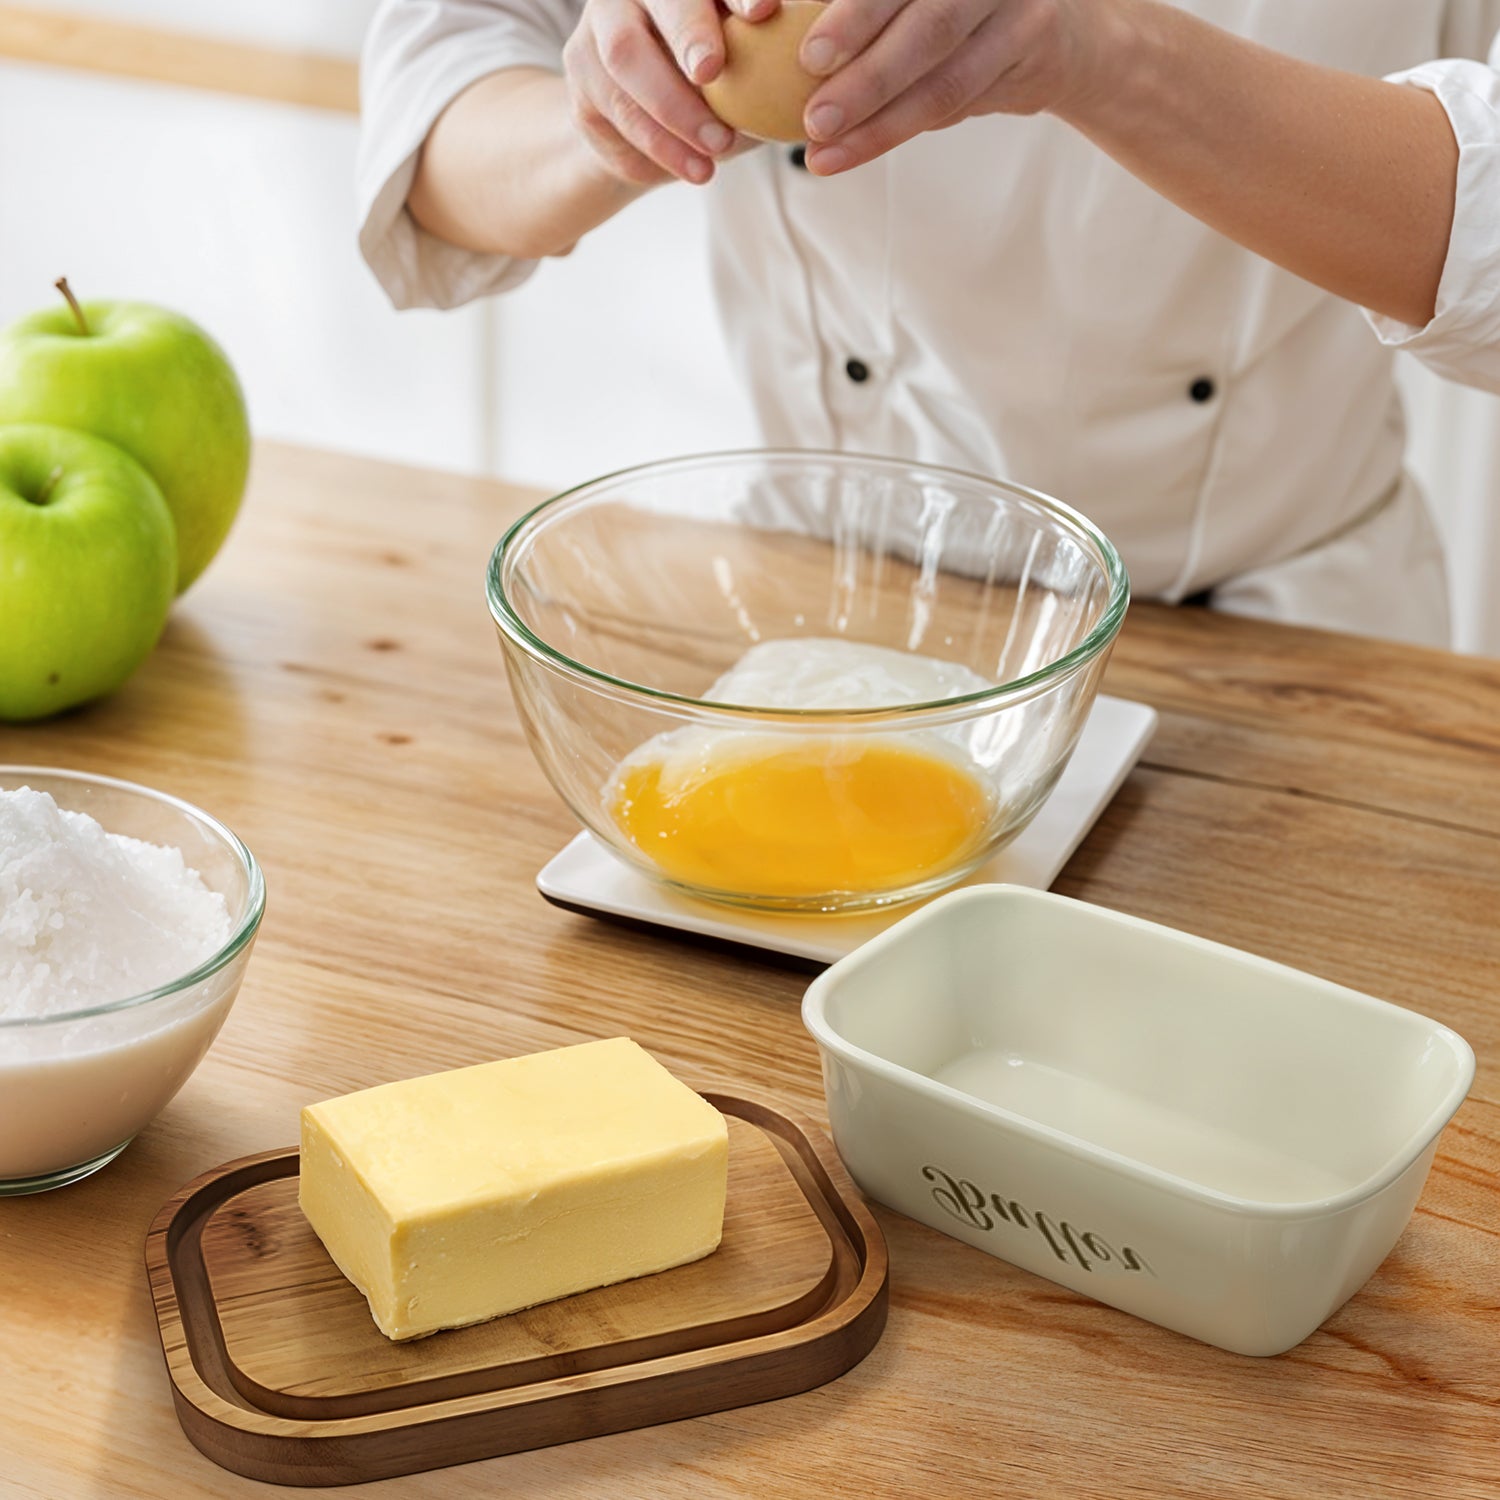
{"x": 586, "y": 877}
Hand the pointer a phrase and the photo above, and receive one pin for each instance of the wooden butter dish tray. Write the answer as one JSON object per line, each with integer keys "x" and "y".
{"x": 279, "y": 1373}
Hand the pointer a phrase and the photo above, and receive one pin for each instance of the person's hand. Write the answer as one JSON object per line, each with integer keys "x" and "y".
{"x": 896, "y": 68}
{"x": 632, "y": 69}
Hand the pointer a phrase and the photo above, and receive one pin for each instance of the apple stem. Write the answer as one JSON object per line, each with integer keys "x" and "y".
{"x": 62, "y": 285}
{"x": 48, "y": 485}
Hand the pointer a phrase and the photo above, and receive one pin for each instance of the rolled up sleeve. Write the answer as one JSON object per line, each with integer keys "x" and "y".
{"x": 1462, "y": 341}
{"x": 420, "y": 55}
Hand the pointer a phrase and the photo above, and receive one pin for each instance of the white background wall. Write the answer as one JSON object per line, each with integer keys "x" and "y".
{"x": 330, "y": 26}
{"x": 237, "y": 213}
{"x": 1454, "y": 449}
{"x": 241, "y": 214}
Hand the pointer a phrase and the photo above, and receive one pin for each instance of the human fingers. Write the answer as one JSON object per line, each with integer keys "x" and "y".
{"x": 844, "y": 30}
{"x": 940, "y": 97}
{"x": 632, "y": 145}
{"x": 619, "y": 158}
{"x": 692, "y": 31}
{"x": 920, "y": 41}
{"x": 627, "y": 84}
{"x": 638, "y": 45}
{"x": 753, "y": 10}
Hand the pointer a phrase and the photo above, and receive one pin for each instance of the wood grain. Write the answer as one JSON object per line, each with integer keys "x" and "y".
{"x": 332, "y": 689}
{"x": 294, "y": 1326}
{"x": 94, "y": 44}
{"x": 279, "y": 1373}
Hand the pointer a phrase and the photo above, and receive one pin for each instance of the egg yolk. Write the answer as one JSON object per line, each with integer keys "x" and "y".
{"x": 783, "y": 820}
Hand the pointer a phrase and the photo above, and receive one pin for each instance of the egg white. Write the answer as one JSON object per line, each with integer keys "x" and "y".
{"x": 836, "y": 674}
{"x": 809, "y": 673}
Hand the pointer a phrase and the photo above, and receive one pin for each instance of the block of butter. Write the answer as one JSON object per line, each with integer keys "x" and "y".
{"x": 459, "y": 1196}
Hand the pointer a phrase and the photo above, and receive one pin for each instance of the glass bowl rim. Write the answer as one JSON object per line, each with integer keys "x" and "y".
{"x": 233, "y": 945}
{"x": 960, "y": 706}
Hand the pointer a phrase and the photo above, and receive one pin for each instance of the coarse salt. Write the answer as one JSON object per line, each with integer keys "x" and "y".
{"x": 87, "y": 916}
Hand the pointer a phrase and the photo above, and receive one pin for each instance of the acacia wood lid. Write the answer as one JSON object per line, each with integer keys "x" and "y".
{"x": 279, "y": 1372}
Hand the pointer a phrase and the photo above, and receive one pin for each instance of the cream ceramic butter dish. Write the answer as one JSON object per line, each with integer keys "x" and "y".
{"x": 1217, "y": 1143}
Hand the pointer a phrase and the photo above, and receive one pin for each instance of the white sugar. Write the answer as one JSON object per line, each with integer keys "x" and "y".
{"x": 87, "y": 916}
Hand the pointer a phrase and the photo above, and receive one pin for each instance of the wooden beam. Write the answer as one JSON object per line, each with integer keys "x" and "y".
{"x": 95, "y": 45}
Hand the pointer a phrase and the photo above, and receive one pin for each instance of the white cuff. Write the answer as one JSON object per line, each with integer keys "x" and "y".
{"x": 403, "y": 98}
{"x": 1462, "y": 341}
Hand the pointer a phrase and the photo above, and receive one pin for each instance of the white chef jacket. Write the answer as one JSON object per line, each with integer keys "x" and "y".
{"x": 1463, "y": 339}
{"x": 1018, "y": 304}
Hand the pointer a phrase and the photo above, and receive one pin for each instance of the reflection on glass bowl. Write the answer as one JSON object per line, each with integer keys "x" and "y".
{"x": 804, "y": 681}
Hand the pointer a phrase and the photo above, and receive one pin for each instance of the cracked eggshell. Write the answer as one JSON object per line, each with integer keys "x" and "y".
{"x": 763, "y": 89}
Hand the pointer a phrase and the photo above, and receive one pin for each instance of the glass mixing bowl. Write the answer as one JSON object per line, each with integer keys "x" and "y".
{"x": 804, "y": 681}
{"x": 77, "y": 1087}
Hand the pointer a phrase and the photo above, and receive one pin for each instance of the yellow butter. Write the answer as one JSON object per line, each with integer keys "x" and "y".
{"x": 460, "y": 1196}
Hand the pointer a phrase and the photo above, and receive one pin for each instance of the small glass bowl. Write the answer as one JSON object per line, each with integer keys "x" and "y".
{"x": 620, "y": 604}
{"x": 76, "y": 1088}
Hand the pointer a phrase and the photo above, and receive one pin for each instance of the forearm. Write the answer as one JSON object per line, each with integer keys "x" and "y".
{"x": 1347, "y": 181}
{"x": 505, "y": 172}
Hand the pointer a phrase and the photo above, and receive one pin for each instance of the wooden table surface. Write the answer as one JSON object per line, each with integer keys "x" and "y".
{"x": 333, "y": 690}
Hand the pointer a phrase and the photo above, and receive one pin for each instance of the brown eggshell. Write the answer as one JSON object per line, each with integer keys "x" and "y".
{"x": 763, "y": 88}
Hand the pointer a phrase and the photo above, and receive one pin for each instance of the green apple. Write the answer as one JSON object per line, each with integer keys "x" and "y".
{"x": 88, "y": 568}
{"x": 151, "y": 382}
